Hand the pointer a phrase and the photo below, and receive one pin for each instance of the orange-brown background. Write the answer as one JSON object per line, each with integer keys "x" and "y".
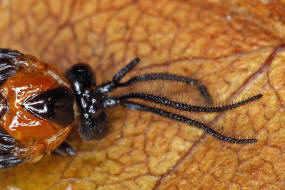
{"x": 222, "y": 43}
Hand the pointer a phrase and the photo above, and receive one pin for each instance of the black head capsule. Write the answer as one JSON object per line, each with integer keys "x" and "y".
{"x": 93, "y": 123}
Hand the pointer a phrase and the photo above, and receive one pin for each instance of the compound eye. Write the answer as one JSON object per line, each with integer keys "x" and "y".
{"x": 55, "y": 105}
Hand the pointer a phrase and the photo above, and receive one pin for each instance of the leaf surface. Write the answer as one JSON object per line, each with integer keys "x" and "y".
{"x": 233, "y": 47}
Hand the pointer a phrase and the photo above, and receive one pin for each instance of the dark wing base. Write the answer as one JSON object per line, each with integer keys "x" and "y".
{"x": 9, "y": 161}
{"x": 8, "y": 63}
{"x": 7, "y": 148}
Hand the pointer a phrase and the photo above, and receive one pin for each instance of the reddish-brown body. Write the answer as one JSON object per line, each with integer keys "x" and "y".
{"x": 35, "y": 136}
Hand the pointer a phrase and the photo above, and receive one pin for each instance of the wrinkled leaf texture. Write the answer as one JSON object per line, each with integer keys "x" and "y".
{"x": 225, "y": 44}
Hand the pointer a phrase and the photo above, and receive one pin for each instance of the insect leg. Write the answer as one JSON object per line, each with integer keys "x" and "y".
{"x": 7, "y": 146}
{"x": 187, "y": 107}
{"x": 136, "y": 106}
{"x": 65, "y": 149}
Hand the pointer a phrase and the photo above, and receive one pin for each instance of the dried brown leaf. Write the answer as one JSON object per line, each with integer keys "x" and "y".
{"x": 225, "y": 44}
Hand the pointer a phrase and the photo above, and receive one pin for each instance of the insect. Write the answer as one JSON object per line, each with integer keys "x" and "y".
{"x": 38, "y": 105}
